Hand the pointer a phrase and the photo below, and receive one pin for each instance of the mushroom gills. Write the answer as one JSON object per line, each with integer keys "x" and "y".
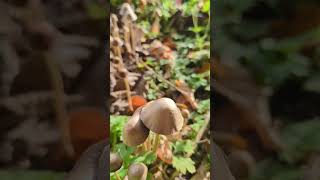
{"x": 137, "y": 171}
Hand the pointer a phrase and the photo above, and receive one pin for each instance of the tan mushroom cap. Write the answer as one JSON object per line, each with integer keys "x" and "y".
{"x": 135, "y": 132}
{"x": 115, "y": 162}
{"x": 162, "y": 116}
{"x": 137, "y": 171}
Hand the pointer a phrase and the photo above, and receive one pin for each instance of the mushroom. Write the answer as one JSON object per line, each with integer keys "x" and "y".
{"x": 137, "y": 171}
{"x": 135, "y": 132}
{"x": 127, "y": 12}
{"x": 115, "y": 164}
{"x": 161, "y": 116}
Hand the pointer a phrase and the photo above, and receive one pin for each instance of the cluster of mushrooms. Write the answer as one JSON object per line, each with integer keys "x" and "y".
{"x": 162, "y": 117}
{"x": 136, "y": 171}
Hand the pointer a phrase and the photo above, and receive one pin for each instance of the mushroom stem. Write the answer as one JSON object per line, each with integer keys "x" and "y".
{"x": 128, "y": 92}
{"x": 156, "y": 143}
{"x": 117, "y": 175}
{"x": 145, "y": 147}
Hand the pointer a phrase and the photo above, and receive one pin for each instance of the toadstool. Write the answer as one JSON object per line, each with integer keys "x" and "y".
{"x": 137, "y": 171}
{"x": 135, "y": 132}
{"x": 115, "y": 163}
{"x": 161, "y": 116}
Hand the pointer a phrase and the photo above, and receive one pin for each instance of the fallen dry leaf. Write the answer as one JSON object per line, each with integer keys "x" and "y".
{"x": 187, "y": 92}
{"x": 164, "y": 152}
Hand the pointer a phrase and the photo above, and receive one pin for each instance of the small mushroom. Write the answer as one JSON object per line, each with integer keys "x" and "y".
{"x": 162, "y": 116}
{"x": 137, "y": 171}
{"x": 135, "y": 132}
{"x": 115, "y": 162}
{"x": 126, "y": 11}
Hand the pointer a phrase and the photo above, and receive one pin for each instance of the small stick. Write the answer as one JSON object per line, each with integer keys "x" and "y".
{"x": 145, "y": 147}
{"x": 156, "y": 143}
{"x": 128, "y": 92}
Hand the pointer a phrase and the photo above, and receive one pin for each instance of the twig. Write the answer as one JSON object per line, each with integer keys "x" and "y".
{"x": 156, "y": 74}
{"x": 204, "y": 128}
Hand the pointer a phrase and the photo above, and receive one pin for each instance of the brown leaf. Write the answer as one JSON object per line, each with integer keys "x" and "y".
{"x": 160, "y": 51}
{"x": 164, "y": 152}
{"x": 187, "y": 92}
{"x": 169, "y": 42}
{"x": 156, "y": 25}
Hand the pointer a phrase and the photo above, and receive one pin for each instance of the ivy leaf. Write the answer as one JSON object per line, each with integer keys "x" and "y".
{"x": 183, "y": 164}
{"x": 184, "y": 147}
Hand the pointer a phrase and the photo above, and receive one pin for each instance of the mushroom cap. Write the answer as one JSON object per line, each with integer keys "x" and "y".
{"x": 135, "y": 132}
{"x": 115, "y": 162}
{"x": 137, "y": 171}
{"x": 127, "y": 12}
{"x": 162, "y": 116}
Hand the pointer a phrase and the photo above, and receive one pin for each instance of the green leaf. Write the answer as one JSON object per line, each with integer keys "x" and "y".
{"x": 184, "y": 147}
{"x": 183, "y": 164}
{"x": 125, "y": 152}
{"x": 301, "y": 139}
{"x": 116, "y": 126}
{"x": 203, "y": 106}
{"x": 206, "y": 6}
{"x": 117, "y": 122}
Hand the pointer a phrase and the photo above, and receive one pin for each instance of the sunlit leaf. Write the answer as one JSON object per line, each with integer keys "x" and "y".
{"x": 183, "y": 165}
